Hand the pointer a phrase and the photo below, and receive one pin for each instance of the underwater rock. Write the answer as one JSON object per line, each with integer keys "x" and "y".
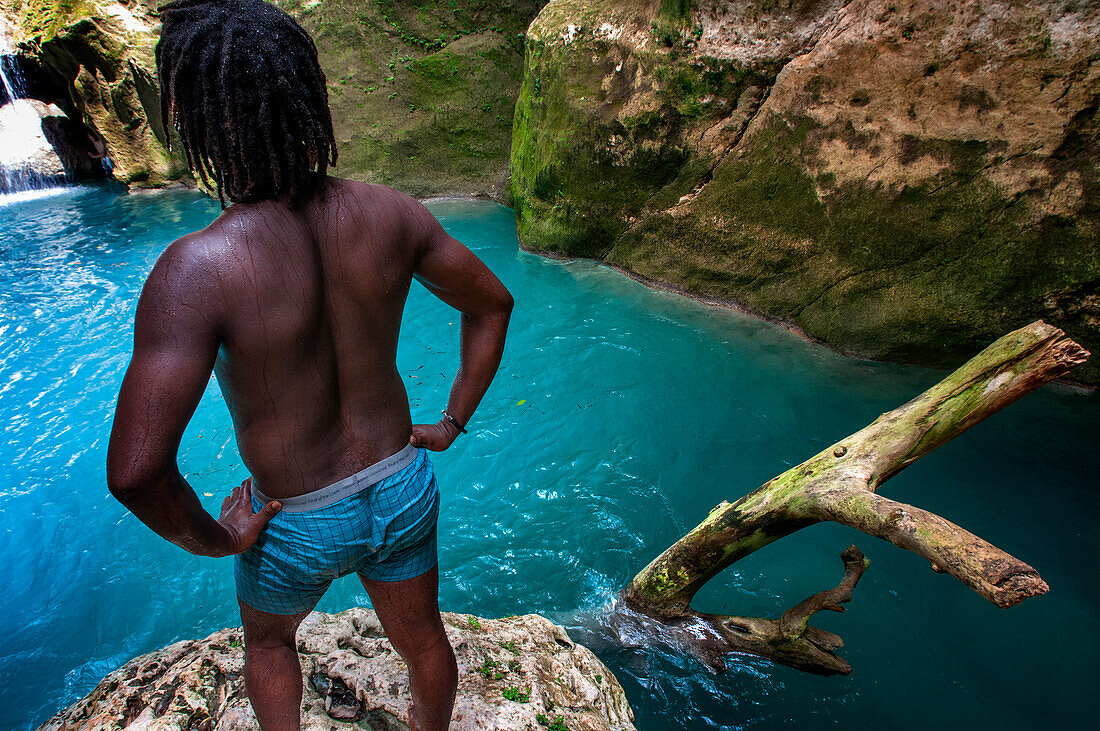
{"x": 903, "y": 181}
{"x": 354, "y": 679}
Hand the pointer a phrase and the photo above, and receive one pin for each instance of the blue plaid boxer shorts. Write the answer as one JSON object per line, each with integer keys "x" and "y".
{"x": 384, "y": 530}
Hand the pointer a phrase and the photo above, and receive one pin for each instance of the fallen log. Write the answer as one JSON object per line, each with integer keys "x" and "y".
{"x": 840, "y": 484}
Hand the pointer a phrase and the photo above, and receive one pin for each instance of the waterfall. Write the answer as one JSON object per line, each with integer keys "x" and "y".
{"x": 10, "y": 77}
{"x": 28, "y": 161}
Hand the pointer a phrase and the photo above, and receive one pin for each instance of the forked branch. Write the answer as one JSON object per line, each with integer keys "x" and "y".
{"x": 840, "y": 485}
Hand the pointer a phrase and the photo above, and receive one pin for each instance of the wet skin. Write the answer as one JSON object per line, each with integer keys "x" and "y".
{"x": 297, "y": 313}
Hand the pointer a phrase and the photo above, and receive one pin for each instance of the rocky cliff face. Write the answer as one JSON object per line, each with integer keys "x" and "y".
{"x": 33, "y": 158}
{"x": 514, "y": 673}
{"x": 902, "y": 180}
{"x": 422, "y": 93}
{"x": 102, "y": 54}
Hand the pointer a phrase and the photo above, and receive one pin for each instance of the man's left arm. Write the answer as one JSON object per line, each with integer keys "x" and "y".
{"x": 175, "y": 346}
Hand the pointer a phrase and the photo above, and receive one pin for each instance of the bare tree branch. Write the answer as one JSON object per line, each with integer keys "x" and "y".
{"x": 840, "y": 485}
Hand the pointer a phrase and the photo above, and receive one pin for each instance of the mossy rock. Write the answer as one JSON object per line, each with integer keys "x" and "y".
{"x": 107, "y": 63}
{"x": 604, "y": 130}
{"x": 941, "y": 267}
{"x": 904, "y": 194}
{"x": 422, "y": 93}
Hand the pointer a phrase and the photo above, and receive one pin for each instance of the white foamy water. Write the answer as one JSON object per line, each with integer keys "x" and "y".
{"x": 23, "y": 196}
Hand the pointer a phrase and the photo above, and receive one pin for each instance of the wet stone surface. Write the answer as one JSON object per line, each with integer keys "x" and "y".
{"x": 519, "y": 672}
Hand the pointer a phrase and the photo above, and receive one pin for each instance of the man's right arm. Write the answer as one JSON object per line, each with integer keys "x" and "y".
{"x": 455, "y": 275}
{"x": 175, "y": 345}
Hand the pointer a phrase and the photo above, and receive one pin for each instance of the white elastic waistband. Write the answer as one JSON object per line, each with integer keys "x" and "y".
{"x": 346, "y": 487}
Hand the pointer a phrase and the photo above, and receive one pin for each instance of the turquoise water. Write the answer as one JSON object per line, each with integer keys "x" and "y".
{"x": 619, "y": 417}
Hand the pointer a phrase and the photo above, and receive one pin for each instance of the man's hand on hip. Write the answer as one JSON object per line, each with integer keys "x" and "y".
{"x": 241, "y": 524}
{"x": 435, "y": 437}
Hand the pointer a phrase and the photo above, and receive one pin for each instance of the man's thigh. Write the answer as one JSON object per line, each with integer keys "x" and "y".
{"x": 409, "y": 611}
{"x": 264, "y": 630}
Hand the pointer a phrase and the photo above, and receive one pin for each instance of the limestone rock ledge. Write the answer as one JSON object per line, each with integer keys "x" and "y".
{"x": 904, "y": 181}
{"x": 355, "y": 680}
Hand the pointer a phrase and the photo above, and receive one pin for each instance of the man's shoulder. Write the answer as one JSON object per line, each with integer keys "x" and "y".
{"x": 190, "y": 267}
{"x": 392, "y": 216}
{"x": 370, "y": 193}
{"x": 193, "y": 252}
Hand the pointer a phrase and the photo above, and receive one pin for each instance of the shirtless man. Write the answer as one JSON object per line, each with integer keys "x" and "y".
{"x": 293, "y": 299}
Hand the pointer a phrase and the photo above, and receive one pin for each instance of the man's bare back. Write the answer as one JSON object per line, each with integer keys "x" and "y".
{"x": 308, "y": 306}
{"x": 298, "y": 314}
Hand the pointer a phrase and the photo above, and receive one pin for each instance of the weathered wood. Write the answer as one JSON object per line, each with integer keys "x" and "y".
{"x": 839, "y": 484}
{"x": 997, "y": 576}
{"x": 711, "y": 637}
{"x": 794, "y": 621}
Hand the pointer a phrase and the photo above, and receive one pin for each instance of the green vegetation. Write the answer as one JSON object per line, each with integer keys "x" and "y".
{"x": 604, "y": 139}
{"x": 582, "y": 169}
{"x": 675, "y": 9}
{"x": 44, "y": 18}
{"x": 558, "y": 724}
{"x": 941, "y": 263}
{"x": 109, "y": 74}
{"x": 422, "y": 93}
{"x": 519, "y": 695}
{"x": 603, "y": 147}
{"x": 473, "y": 622}
{"x": 489, "y": 669}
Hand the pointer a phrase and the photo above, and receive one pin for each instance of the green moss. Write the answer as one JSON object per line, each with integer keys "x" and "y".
{"x": 657, "y": 583}
{"x": 111, "y": 81}
{"x": 706, "y": 86}
{"x": 580, "y": 170}
{"x": 44, "y": 18}
{"x": 675, "y": 9}
{"x": 920, "y": 274}
{"x": 422, "y": 93}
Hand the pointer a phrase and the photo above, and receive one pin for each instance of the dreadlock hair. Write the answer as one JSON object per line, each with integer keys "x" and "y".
{"x": 241, "y": 84}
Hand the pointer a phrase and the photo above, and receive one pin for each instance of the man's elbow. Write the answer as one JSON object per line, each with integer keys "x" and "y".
{"x": 128, "y": 484}
{"x": 491, "y": 310}
{"x": 502, "y": 312}
{"x": 124, "y": 487}
{"x": 506, "y": 304}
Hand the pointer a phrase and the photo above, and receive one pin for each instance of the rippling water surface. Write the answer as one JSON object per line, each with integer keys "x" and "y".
{"x": 620, "y": 416}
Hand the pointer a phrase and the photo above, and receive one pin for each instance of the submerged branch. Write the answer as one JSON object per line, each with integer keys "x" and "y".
{"x": 794, "y": 621}
{"x": 791, "y": 639}
{"x": 839, "y": 485}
